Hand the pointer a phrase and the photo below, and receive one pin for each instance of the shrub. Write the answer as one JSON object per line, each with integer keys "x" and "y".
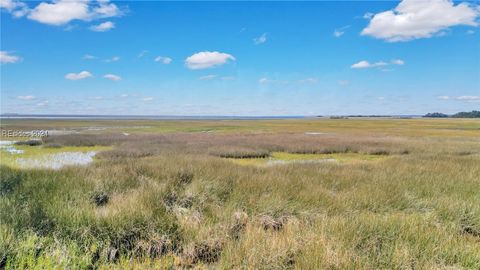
{"x": 100, "y": 198}
{"x": 29, "y": 142}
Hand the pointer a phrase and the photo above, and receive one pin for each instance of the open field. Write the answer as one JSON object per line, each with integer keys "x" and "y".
{"x": 245, "y": 194}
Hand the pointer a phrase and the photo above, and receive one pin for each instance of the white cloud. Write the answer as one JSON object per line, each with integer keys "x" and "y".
{"x": 340, "y": 31}
{"x": 26, "y": 97}
{"x": 147, "y": 99}
{"x": 398, "y": 62}
{"x": 78, "y": 76}
{"x": 7, "y": 58}
{"x": 112, "y": 77}
{"x": 265, "y": 80}
{"x": 261, "y": 39}
{"x": 113, "y": 59}
{"x": 470, "y": 32}
{"x": 103, "y": 27}
{"x": 124, "y": 95}
{"x": 16, "y": 8}
{"x": 202, "y": 60}
{"x": 461, "y": 98}
{"x": 208, "y": 77}
{"x": 413, "y": 19}
{"x": 468, "y": 98}
{"x": 366, "y": 64}
{"x": 163, "y": 59}
{"x": 106, "y": 9}
{"x": 89, "y": 57}
{"x": 61, "y": 12}
{"x": 309, "y": 80}
{"x": 142, "y": 53}
{"x": 9, "y": 5}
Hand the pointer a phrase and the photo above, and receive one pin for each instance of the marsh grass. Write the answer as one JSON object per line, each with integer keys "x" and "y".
{"x": 171, "y": 200}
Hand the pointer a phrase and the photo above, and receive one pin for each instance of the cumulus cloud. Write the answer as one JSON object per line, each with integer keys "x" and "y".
{"x": 103, "y": 27}
{"x": 61, "y": 12}
{"x": 163, "y": 59}
{"x": 413, "y": 19}
{"x": 26, "y": 97}
{"x": 366, "y": 64}
{"x": 16, "y": 8}
{"x": 203, "y": 60}
{"x": 7, "y": 58}
{"x": 261, "y": 39}
{"x": 112, "y": 77}
{"x": 78, "y": 76}
{"x": 208, "y": 77}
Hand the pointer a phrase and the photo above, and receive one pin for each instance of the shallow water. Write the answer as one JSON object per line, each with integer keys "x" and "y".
{"x": 8, "y": 146}
{"x": 57, "y": 161}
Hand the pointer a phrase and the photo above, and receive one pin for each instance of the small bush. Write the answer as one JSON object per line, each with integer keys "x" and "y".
{"x": 30, "y": 142}
{"x": 271, "y": 223}
{"x": 379, "y": 152}
{"x": 184, "y": 177}
{"x": 470, "y": 224}
{"x": 206, "y": 252}
{"x": 100, "y": 198}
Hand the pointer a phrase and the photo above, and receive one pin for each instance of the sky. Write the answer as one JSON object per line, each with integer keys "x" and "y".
{"x": 239, "y": 58}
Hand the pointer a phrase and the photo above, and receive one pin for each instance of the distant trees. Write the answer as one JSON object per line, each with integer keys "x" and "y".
{"x": 472, "y": 114}
{"x": 436, "y": 115}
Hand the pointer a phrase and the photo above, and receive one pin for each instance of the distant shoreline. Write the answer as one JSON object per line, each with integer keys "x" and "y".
{"x": 190, "y": 117}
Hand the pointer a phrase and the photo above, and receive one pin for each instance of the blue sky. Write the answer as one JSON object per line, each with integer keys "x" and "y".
{"x": 239, "y": 58}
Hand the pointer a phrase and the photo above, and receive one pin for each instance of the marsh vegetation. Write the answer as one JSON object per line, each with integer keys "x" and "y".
{"x": 395, "y": 194}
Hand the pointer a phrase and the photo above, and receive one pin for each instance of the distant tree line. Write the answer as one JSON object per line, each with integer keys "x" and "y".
{"x": 472, "y": 114}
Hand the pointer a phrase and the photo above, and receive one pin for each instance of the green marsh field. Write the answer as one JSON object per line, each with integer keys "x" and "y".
{"x": 241, "y": 194}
